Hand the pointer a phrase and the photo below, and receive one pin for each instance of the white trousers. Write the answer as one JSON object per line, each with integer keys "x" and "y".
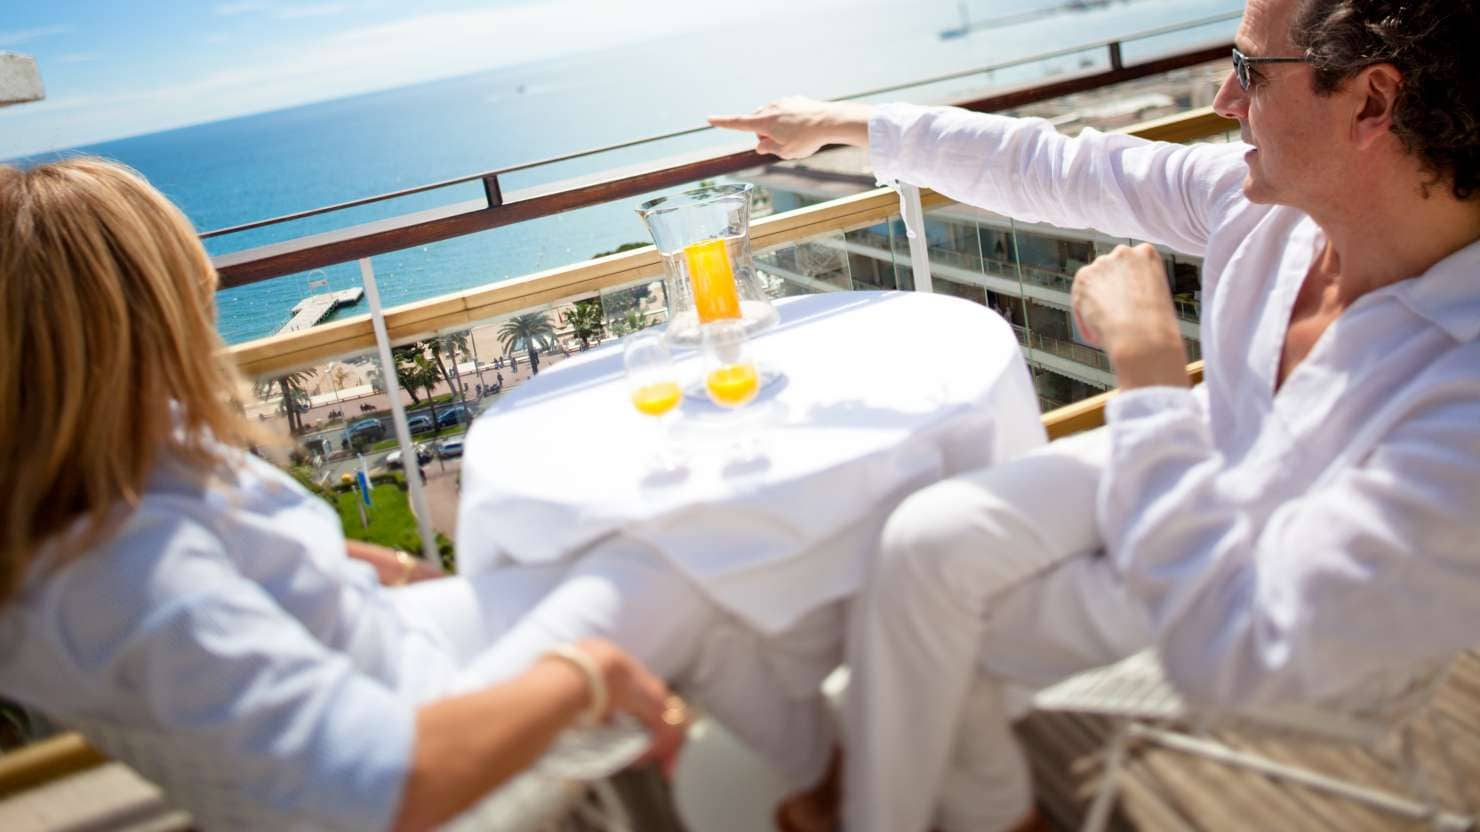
{"x": 497, "y": 623}
{"x": 985, "y": 581}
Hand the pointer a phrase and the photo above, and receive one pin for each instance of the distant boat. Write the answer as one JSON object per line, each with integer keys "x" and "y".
{"x": 962, "y": 30}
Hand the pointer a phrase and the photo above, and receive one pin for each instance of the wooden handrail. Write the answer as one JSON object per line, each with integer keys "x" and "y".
{"x": 1088, "y": 414}
{"x": 45, "y": 761}
{"x": 281, "y": 353}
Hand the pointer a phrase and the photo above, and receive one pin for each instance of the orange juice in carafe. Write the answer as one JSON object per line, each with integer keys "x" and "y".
{"x": 713, "y": 280}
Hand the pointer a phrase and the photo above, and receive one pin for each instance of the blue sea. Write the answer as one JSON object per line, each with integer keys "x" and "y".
{"x": 264, "y": 165}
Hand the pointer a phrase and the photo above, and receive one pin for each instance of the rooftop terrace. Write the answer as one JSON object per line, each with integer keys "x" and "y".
{"x": 40, "y": 787}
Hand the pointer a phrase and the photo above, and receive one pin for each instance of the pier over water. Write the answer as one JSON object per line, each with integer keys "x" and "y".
{"x": 315, "y": 308}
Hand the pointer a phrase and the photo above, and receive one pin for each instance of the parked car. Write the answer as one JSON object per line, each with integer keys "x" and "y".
{"x": 367, "y": 430}
{"x": 423, "y": 456}
{"x": 452, "y": 416}
{"x": 450, "y": 446}
{"x": 420, "y": 423}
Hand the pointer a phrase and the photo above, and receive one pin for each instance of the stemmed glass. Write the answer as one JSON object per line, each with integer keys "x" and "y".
{"x": 731, "y": 377}
{"x": 653, "y": 388}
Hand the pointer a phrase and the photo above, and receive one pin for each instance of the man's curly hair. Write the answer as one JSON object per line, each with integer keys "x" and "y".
{"x": 1436, "y": 45}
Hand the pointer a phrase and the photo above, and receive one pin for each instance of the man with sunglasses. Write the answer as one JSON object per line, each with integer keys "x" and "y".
{"x": 1303, "y": 526}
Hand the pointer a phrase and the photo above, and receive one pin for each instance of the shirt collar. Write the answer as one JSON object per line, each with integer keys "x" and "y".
{"x": 1448, "y": 294}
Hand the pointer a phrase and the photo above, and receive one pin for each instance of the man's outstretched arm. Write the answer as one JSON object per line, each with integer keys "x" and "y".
{"x": 1121, "y": 185}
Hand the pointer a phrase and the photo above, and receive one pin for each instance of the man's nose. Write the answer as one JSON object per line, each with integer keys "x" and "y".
{"x": 1231, "y": 101}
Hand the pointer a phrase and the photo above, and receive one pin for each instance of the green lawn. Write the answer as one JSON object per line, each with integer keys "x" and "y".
{"x": 391, "y": 521}
{"x": 393, "y": 442}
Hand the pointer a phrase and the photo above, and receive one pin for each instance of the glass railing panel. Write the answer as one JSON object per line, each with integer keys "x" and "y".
{"x": 1013, "y": 65}
{"x": 1024, "y": 272}
{"x": 333, "y": 420}
{"x": 245, "y": 313}
{"x": 330, "y": 423}
{"x": 871, "y": 258}
{"x": 1143, "y": 49}
{"x": 954, "y": 250}
{"x": 250, "y": 206}
{"x": 422, "y": 272}
{"x": 829, "y": 175}
{"x": 899, "y": 247}
{"x": 627, "y": 309}
{"x": 821, "y": 263}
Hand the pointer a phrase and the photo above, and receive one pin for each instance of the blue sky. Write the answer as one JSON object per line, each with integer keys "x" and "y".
{"x": 116, "y": 68}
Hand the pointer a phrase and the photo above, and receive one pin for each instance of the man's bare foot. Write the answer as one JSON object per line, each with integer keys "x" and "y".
{"x": 814, "y": 810}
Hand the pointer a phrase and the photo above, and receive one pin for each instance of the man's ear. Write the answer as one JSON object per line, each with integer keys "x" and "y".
{"x": 1378, "y": 85}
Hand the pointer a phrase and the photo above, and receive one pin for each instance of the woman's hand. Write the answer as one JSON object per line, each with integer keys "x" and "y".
{"x": 796, "y": 127}
{"x": 390, "y": 566}
{"x": 634, "y": 690}
{"x": 1123, "y": 306}
{"x": 468, "y": 744}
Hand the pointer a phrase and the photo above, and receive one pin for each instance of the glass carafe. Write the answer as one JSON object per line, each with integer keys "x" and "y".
{"x": 704, "y": 238}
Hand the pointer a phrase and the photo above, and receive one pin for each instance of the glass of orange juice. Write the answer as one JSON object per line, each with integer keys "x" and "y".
{"x": 731, "y": 377}
{"x": 653, "y": 388}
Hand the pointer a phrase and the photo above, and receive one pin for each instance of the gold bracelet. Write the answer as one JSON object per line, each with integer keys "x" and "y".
{"x": 408, "y": 566}
{"x": 595, "y": 682}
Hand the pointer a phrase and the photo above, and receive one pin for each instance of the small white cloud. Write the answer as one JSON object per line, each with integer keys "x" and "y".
{"x": 18, "y": 36}
{"x": 76, "y": 58}
{"x": 240, "y": 7}
{"x": 315, "y": 10}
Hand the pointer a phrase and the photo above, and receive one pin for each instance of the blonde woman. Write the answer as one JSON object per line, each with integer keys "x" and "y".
{"x": 192, "y": 611}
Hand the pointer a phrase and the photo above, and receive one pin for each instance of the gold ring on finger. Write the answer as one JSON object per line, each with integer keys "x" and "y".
{"x": 675, "y": 711}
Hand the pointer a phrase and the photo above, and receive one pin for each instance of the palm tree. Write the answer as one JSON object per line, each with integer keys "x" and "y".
{"x": 406, "y": 373}
{"x": 584, "y": 320}
{"x": 425, "y": 374}
{"x": 629, "y": 323}
{"x": 339, "y": 375}
{"x": 530, "y": 332}
{"x": 450, "y": 344}
{"x": 293, "y": 398}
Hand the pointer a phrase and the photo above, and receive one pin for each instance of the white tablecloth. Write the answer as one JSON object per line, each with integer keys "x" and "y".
{"x": 882, "y": 394}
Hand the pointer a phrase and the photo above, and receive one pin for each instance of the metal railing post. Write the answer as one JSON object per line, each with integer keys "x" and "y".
{"x": 914, "y": 228}
{"x": 398, "y": 415}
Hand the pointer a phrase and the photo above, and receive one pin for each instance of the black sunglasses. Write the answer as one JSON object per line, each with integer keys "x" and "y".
{"x": 1242, "y": 62}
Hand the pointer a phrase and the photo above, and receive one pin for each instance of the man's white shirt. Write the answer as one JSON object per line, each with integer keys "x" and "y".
{"x": 1313, "y": 543}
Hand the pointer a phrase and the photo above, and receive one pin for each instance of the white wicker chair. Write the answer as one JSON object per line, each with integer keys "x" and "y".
{"x": 1135, "y": 694}
{"x": 535, "y": 802}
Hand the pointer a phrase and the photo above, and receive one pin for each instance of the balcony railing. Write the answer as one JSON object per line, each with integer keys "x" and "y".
{"x": 499, "y": 208}
{"x": 1071, "y": 350}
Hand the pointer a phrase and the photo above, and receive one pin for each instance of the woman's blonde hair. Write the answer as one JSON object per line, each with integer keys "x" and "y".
{"x": 109, "y": 356}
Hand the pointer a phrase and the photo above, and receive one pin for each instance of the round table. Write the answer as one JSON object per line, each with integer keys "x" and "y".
{"x": 881, "y": 394}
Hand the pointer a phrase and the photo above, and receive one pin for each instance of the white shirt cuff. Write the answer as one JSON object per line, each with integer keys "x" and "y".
{"x": 1144, "y": 402}
{"x": 885, "y": 127}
